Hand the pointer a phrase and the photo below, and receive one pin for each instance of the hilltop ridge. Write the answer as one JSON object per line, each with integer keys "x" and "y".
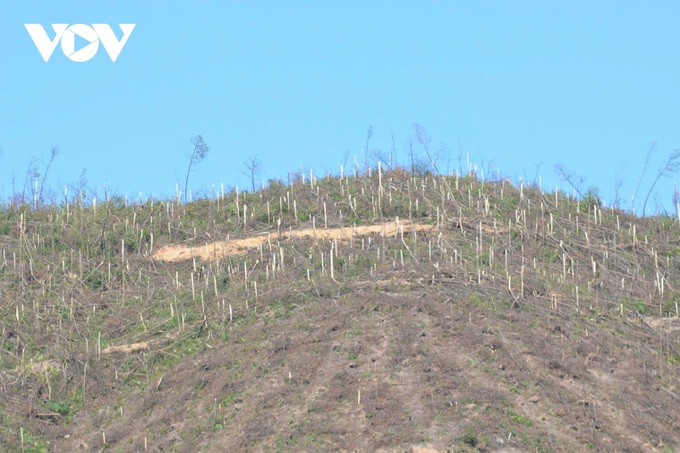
{"x": 374, "y": 312}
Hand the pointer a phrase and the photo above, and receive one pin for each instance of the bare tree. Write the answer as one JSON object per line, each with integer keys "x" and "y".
{"x": 32, "y": 174}
{"x": 424, "y": 139}
{"x": 574, "y": 180}
{"x": 53, "y": 153}
{"x": 536, "y": 176}
{"x": 254, "y": 166}
{"x": 380, "y": 156}
{"x": 394, "y": 150}
{"x": 672, "y": 166}
{"x": 617, "y": 189}
{"x": 592, "y": 195}
{"x": 460, "y": 156}
{"x": 199, "y": 153}
{"x": 369, "y": 134}
{"x": 650, "y": 151}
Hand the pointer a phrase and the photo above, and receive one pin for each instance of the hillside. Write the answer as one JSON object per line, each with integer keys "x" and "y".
{"x": 376, "y": 312}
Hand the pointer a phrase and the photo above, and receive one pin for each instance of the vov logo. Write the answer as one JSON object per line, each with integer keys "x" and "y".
{"x": 67, "y": 36}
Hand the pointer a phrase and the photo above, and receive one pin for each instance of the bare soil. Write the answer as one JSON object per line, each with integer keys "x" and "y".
{"x": 220, "y": 249}
{"x": 509, "y": 321}
{"x": 385, "y": 369}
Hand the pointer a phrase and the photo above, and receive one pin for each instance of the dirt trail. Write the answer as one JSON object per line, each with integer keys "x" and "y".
{"x": 220, "y": 249}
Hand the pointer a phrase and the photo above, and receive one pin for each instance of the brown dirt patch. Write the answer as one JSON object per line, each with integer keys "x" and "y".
{"x": 220, "y": 249}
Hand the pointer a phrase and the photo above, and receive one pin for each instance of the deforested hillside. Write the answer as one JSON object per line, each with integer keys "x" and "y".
{"x": 374, "y": 312}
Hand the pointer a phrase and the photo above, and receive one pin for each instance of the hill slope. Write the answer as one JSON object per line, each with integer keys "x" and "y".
{"x": 367, "y": 313}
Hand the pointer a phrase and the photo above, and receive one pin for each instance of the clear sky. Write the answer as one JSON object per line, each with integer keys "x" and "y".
{"x": 519, "y": 85}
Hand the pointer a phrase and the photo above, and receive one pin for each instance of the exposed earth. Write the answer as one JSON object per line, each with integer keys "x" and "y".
{"x": 491, "y": 319}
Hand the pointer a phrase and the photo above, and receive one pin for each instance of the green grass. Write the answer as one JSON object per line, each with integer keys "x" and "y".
{"x": 61, "y": 407}
{"x": 520, "y": 419}
{"x": 470, "y": 438}
{"x": 28, "y": 443}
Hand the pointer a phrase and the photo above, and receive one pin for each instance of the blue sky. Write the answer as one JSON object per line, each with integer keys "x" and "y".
{"x": 519, "y": 85}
